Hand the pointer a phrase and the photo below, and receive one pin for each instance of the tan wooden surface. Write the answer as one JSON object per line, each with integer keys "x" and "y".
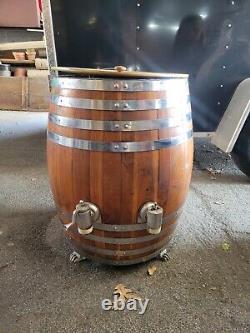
{"x": 115, "y": 73}
{"x": 17, "y": 62}
{"x": 38, "y": 93}
{"x": 12, "y": 93}
{"x": 22, "y": 45}
{"x": 24, "y": 94}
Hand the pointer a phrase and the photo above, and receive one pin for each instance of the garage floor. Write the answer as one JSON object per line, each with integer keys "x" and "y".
{"x": 204, "y": 287}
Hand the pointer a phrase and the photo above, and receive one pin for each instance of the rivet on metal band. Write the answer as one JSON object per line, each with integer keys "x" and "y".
{"x": 119, "y": 126}
{"x": 121, "y": 147}
{"x": 117, "y": 105}
{"x": 120, "y": 85}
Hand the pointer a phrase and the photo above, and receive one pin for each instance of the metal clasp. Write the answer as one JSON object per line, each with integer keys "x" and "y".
{"x": 84, "y": 216}
{"x": 152, "y": 214}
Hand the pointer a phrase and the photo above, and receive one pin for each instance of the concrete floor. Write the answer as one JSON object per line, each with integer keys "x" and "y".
{"x": 202, "y": 288}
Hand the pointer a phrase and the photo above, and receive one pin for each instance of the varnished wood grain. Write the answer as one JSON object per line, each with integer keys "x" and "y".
{"x": 109, "y": 95}
{"x": 107, "y": 115}
{"x": 118, "y": 183}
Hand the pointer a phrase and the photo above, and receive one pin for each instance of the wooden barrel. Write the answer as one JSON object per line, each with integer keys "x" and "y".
{"x": 124, "y": 147}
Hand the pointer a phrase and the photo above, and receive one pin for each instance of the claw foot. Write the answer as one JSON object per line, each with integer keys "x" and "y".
{"x": 76, "y": 257}
{"x": 164, "y": 255}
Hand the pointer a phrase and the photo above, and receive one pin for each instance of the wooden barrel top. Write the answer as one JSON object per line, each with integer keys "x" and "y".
{"x": 93, "y": 72}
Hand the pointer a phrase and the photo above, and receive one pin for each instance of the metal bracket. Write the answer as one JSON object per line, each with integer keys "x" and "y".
{"x": 49, "y": 35}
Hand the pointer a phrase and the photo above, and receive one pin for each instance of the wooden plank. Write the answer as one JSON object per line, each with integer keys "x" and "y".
{"x": 38, "y": 93}
{"x": 22, "y": 94}
{"x": 11, "y": 93}
{"x": 22, "y": 45}
{"x": 37, "y": 73}
{"x": 17, "y": 62}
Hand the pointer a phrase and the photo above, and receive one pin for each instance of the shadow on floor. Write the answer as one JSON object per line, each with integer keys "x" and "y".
{"x": 30, "y": 141}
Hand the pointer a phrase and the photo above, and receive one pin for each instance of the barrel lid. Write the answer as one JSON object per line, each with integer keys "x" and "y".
{"x": 118, "y": 71}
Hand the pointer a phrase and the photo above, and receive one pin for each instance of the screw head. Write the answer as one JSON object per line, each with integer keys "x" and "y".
{"x": 117, "y": 105}
{"x": 127, "y": 126}
{"x": 126, "y": 106}
{"x": 125, "y": 147}
{"x": 116, "y": 85}
{"x": 125, "y": 86}
{"x": 117, "y": 125}
{"x": 116, "y": 147}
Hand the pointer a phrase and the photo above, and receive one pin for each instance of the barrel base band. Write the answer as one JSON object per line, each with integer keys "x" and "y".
{"x": 122, "y": 262}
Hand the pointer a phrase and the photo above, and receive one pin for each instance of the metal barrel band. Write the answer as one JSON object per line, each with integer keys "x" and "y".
{"x": 118, "y": 105}
{"x": 118, "y": 85}
{"x": 124, "y": 253}
{"x": 119, "y": 147}
{"x": 121, "y": 241}
{"x": 119, "y": 126}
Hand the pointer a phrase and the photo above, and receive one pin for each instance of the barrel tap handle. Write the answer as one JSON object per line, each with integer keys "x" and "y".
{"x": 152, "y": 214}
{"x": 84, "y": 216}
